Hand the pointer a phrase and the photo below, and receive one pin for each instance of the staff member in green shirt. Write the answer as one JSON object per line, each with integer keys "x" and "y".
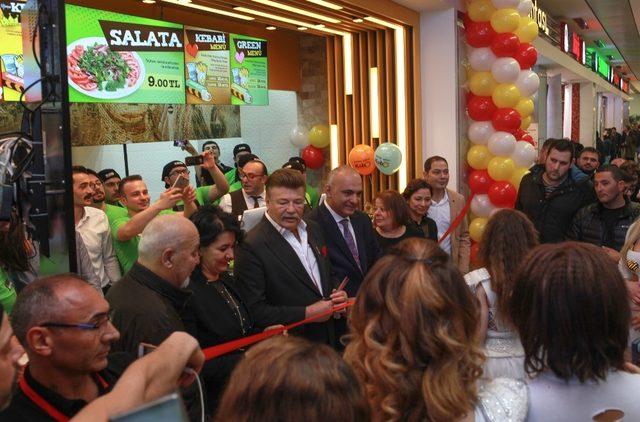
{"x": 233, "y": 176}
{"x": 99, "y": 198}
{"x": 110, "y": 181}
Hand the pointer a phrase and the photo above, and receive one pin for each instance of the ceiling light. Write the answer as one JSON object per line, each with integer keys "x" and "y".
{"x": 149, "y": 1}
{"x": 272, "y": 16}
{"x": 358, "y": 20}
{"x": 210, "y": 9}
{"x": 302, "y": 28}
{"x": 319, "y": 26}
{"x": 297, "y": 10}
{"x": 271, "y": 28}
{"x": 326, "y": 4}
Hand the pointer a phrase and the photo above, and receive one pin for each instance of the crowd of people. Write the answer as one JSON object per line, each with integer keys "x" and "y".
{"x": 403, "y": 324}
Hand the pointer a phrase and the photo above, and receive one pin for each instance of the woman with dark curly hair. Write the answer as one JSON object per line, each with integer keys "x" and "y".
{"x": 506, "y": 241}
{"x": 412, "y": 341}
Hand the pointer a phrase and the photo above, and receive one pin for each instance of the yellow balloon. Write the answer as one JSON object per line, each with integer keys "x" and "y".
{"x": 526, "y": 122}
{"x": 517, "y": 176}
{"x": 525, "y": 107}
{"x": 481, "y": 10}
{"x": 476, "y": 228}
{"x": 319, "y": 136}
{"x": 482, "y": 84}
{"x": 479, "y": 156}
{"x": 506, "y": 96}
{"x": 505, "y": 20}
{"x": 501, "y": 168}
{"x": 470, "y": 73}
{"x": 527, "y": 30}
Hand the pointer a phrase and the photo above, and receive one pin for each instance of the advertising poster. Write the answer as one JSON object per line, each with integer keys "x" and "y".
{"x": 112, "y": 57}
{"x": 11, "y": 60}
{"x": 206, "y": 55}
{"x": 249, "y": 71}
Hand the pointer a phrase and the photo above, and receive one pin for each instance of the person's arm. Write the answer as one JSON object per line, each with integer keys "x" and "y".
{"x": 189, "y": 200}
{"x": 138, "y": 222}
{"x": 464, "y": 247}
{"x": 483, "y": 323}
{"x": 148, "y": 378}
{"x": 111, "y": 266}
{"x": 221, "y": 185}
{"x": 191, "y": 150}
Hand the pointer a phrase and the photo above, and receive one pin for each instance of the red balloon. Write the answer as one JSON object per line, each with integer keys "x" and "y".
{"x": 528, "y": 138}
{"x": 506, "y": 120}
{"x": 466, "y": 20}
{"x": 481, "y": 108}
{"x": 503, "y": 194}
{"x": 475, "y": 248}
{"x": 505, "y": 45}
{"x": 480, "y": 34}
{"x": 526, "y": 55}
{"x": 519, "y": 134}
{"x": 480, "y": 181}
{"x": 313, "y": 157}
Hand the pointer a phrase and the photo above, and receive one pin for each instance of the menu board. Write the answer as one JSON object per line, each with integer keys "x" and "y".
{"x": 249, "y": 71}
{"x": 112, "y": 57}
{"x": 206, "y": 55}
{"x": 11, "y": 59}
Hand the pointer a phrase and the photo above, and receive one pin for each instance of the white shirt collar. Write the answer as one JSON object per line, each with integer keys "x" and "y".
{"x": 335, "y": 215}
{"x": 247, "y": 196}
{"x": 444, "y": 199}
{"x": 302, "y": 225}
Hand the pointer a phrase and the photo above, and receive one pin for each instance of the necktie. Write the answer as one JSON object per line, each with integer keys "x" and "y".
{"x": 351, "y": 243}
{"x": 256, "y": 204}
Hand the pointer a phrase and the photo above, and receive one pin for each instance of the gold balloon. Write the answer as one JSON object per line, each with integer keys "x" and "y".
{"x": 525, "y": 107}
{"x": 319, "y": 136}
{"x": 526, "y": 122}
{"x": 476, "y": 228}
{"x": 480, "y": 10}
{"x": 506, "y": 96}
{"x": 501, "y": 168}
{"x": 479, "y": 156}
{"x": 505, "y": 20}
{"x": 482, "y": 84}
{"x": 527, "y": 30}
{"x": 517, "y": 176}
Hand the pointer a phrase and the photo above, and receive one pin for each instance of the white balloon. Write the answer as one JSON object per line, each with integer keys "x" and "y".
{"x": 525, "y": 7}
{"x": 481, "y": 205}
{"x": 505, "y": 70}
{"x": 299, "y": 137}
{"x": 479, "y": 132}
{"x": 524, "y": 154}
{"x": 481, "y": 59}
{"x": 505, "y": 4}
{"x": 502, "y": 144}
{"x": 527, "y": 82}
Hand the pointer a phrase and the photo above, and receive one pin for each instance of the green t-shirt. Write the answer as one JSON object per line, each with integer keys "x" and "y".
{"x": 231, "y": 176}
{"x": 235, "y": 186}
{"x": 127, "y": 252}
{"x": 202, "y": 196}
{"x": 312, "y": 196}
{"x": 8, "y": 293}
{"x": 114, "y": 212}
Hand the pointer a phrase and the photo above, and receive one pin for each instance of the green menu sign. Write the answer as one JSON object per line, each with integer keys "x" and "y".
{"x": 249, "y": 71}
{"x": 112, "y": 57}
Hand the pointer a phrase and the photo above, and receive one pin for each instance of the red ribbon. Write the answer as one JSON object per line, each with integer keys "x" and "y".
{"x": 456, "y": 222}
{"x": 224, "y": 348}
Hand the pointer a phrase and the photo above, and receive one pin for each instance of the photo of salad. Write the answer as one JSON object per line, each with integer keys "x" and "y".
{"x": 96, "y": 71}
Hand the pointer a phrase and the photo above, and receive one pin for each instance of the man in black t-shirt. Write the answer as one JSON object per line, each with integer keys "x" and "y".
{"x": 605, "y": 223}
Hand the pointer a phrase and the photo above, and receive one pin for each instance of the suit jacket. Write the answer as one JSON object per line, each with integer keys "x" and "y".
{"x": 275, "y": 284}
{"x": 342, "y": 261}
{"x": 460, "y": 240}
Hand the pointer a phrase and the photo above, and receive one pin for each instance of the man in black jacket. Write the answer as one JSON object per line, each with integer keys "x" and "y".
{"x": 605, "y": 223}
{"x": 551, "y": 197}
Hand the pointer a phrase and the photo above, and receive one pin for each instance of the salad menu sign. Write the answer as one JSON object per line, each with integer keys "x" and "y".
{"x": 11, "y": 59}
{"x": 112, "y": 57}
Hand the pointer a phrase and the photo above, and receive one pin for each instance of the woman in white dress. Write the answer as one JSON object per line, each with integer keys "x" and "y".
{"x": 507, "y": 239}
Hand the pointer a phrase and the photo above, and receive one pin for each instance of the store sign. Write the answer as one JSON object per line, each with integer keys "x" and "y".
{"x": 112, "y": 57}
{"x": 206, "y": 56}
{"x": 249, "y": 71}
{"x": 11, "y": 58}
{"x": 540, "y": 16}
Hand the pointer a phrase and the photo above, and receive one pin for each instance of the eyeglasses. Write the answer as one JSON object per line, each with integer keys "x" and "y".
{"x": 88, "y": 326}
{"x": 184, "y": 172}
{"x": 249, "y": 176}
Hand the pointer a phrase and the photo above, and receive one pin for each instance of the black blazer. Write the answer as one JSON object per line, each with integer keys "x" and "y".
{"x": 275, "y": 284}
{"x": 342, "y": 261}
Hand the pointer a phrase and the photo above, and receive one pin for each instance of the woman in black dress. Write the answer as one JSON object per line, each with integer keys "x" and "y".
{"x": 418, "y": 197}
{"x": 390, "y": 218}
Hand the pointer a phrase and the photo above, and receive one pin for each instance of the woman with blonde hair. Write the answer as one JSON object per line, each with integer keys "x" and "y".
{"x": 506, "y": 241}
{"x": 412, "y": 341}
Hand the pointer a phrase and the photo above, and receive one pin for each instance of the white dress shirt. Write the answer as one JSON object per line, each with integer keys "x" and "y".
{"x": 302, "y": 248}
{"x": 338, "y": 219}
{"x": 440, "y": 212}
{"x": 94, "y": 230}
{"x": 225, "y": 202}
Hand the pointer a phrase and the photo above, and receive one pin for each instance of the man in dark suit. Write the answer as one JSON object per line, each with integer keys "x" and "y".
{"x": 282, "y": 268}
{"x": 351, "y": 240}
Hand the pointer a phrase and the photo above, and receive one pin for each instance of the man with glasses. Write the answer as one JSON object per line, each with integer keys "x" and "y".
{"x": 253, "y": 176}
{"x": 92, "y": 225}
{"x": 205, "y": 194}
{"x": 100, "y": 197}
{"x": 63, "y": 325}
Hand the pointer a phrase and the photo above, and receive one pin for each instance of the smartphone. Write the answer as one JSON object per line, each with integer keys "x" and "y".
{"x": 180, "y": 144}
{"x": 181, "y": 183}
{"x": 194, "y": 161}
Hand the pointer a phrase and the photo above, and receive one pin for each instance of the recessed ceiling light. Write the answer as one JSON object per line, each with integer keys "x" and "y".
{"x": 358, "y": 20}
{"x": 272, "y": 16}
{"x": 148, "y": 1}
{"x": 210, "y": 9}
{"x": 302, "y": 28}
{"x": 271, "y": 28}
{"x": 326, "y": 4}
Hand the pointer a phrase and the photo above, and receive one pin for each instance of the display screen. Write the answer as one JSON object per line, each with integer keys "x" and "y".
{"x": 576, "y": 46}
{"x": 249, "y": 70}
{"x": 603, "y": 67}
{"x": 206, "y": 55}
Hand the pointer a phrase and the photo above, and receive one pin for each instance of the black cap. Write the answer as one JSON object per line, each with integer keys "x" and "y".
{"x": 295, "y": 165}
{"x": 244, "y": 159}
{"x": 298, "y": 160}
{"x": 241, "y": 148}
{"x": 170, "y": 166}
{"x": 107, "y": 174}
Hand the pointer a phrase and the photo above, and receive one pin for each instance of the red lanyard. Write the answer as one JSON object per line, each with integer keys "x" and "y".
{"x": 47, "y": 407}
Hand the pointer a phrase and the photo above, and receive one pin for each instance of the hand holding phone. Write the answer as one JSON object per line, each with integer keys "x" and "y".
{"x": 194, "y": 161}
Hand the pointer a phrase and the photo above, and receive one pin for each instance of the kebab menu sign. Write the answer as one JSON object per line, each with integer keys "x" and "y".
{"x": 112, "y": 57}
